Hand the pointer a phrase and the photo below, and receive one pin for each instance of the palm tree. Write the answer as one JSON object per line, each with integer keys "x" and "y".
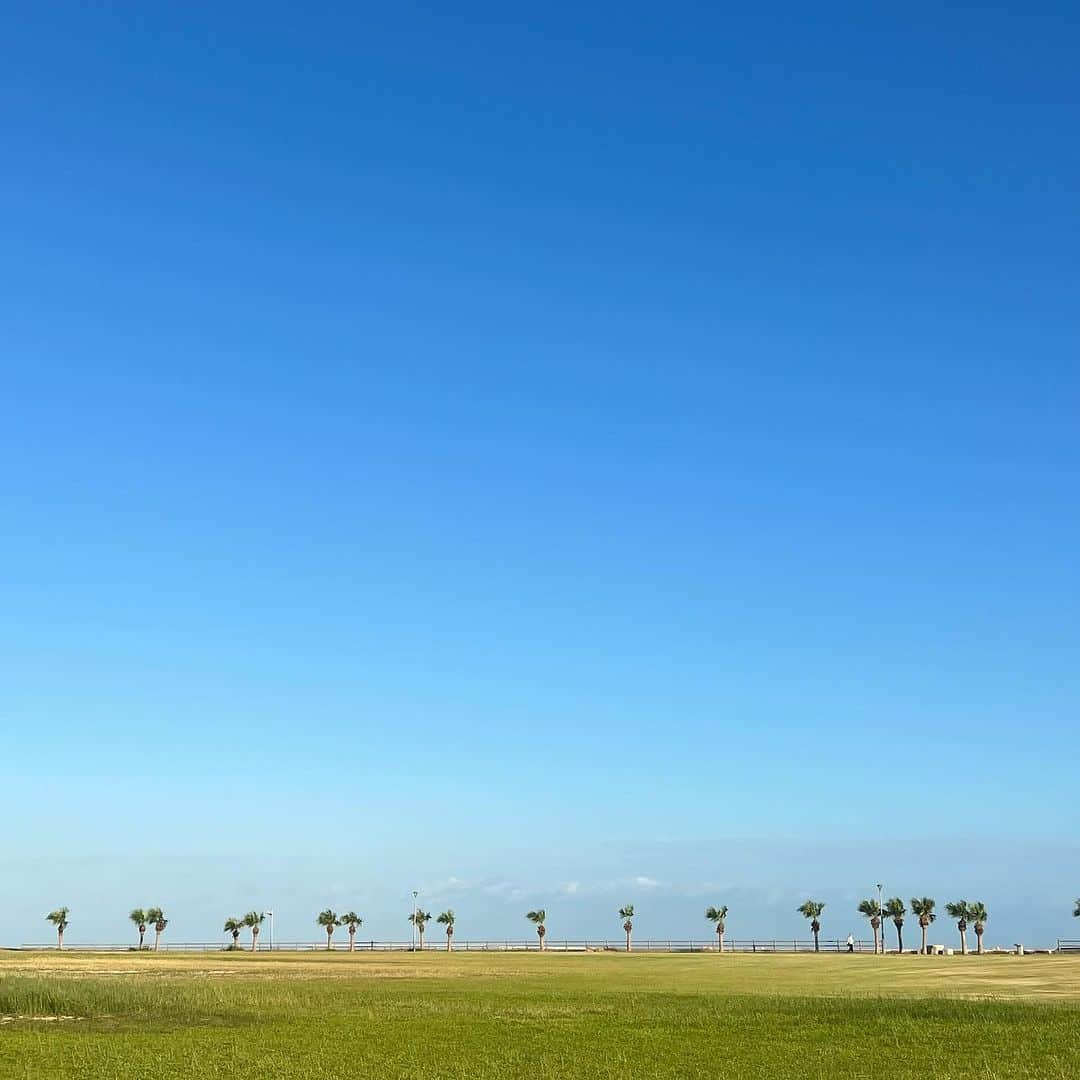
{"x": 1076, "y": 910}
{"x": 156, "y": 918}
{"x": 896, "y": 911}
{"x": 138, "y": 917}
{"x": 540, "y": 918}
{"x": 350, "y": 920}
{"x": 254, "y": 920}
{"x": 812, "y": 910}
{"x": 979, "y": 916}
{"x": 872, "y": 910}
{"x": 419, "y": 919}
{"x": 923, "y": 906}
{"x": 718, "y": 915}
{"x": 961, "y": 912}
{"x": 446, "y": 919}
{"x": 328, "y": 920}
{"x": 627, "y": 913}
{"x": 59, "y": 919}
{"x": 234, "y": 926}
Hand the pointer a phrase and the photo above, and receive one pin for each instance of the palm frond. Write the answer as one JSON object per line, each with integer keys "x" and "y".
{"x": 59, "y": 918}
{"x": 923, "y": 907}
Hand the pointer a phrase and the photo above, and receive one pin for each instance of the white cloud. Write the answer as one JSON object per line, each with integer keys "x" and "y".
{"x": 646, "y": 882}
{"x": 503, "y": 888}
{"x": 447, "y": 885}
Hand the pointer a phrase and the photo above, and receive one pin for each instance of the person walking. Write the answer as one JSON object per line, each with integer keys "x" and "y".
{"x": 851, "y": 943}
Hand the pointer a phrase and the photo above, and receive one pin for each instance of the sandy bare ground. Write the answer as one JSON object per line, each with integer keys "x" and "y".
{"x": 1002, "y": 977}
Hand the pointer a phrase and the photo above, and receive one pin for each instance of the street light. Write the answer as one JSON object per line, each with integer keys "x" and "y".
{"x": 271, "y": 914}
{"x": 415, "y": 894}
{"x": 881, "y": 919}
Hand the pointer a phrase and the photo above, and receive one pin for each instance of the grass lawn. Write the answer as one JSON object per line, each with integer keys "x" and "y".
{"x": 475, "y": 1016}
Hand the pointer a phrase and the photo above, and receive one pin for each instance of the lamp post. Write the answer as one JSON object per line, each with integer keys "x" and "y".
{"x": 271, "y": 915}
{"x": 881, "y": 918}
{"x": 415, "y": 894}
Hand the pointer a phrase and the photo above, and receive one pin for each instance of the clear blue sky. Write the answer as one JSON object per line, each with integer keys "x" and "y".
{"x": 583, "y": 456}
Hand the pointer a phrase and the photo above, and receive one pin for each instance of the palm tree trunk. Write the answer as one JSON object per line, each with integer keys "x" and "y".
{"x": 352, "y": 940}
{"x": 978, "y": 939}
{"x": 421, "y": 937}
{"x": 157, "y": 939}
{"x": 899, "y": 939}
{"x": 876, "y": 949}
{"x": 328, "y": 939}
{"x": 923, "y": 939}
{"x": 720, "y": 935}
{"x": 449, "y": 940}
{"x": 59, "y": 939}
{"x": 963, "y": 943}
{"x": 142, "y": 935}
{"x": 816, "y": 947}
{"x": 627, "y": 940}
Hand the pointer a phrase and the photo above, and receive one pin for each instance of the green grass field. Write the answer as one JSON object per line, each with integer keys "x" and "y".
{"x": 475, "y": 1016}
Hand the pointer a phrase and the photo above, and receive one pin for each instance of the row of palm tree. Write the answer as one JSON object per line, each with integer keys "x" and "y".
{"x": 329, "y": 920}
{"x": 142, "y": 918}
{"x": 420, "y": 918}
{"x": 154, "y": 917}
{"x": 626, "y": 913}
{"x": 252, "y": 921}
{"x": 963, "y": 911}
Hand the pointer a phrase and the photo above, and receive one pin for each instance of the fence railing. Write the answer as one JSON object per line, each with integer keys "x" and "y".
{"x": 671, "y": 945}
{"x": 1068, "y": 945}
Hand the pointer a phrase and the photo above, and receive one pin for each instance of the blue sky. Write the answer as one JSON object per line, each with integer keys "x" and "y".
{"x": 568, "y": 458}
